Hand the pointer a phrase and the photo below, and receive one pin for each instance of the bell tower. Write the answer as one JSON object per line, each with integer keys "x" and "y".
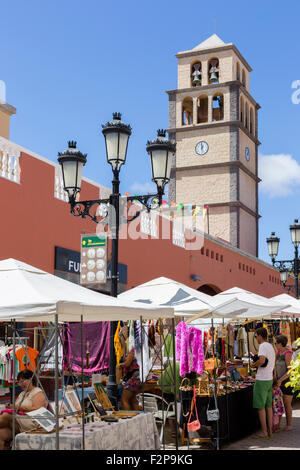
{"x": 213, "y": 119}
{"x": 6, "y": 111}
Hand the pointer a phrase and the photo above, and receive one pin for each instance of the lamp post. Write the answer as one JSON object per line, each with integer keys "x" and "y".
{"x": 116, "y": 134}
{"x": 286, "y": 266}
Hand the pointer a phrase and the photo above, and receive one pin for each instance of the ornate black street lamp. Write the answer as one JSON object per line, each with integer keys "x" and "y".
{"x": 286, "y": 267}
{"x": 116, "y": 134}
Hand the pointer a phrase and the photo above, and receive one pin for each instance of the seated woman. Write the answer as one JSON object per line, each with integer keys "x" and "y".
{"x": 131, "y": 382}
{"x": 32, "y": 398}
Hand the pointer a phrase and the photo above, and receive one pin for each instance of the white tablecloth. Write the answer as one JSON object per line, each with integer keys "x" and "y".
{"x": 137, "y": 433}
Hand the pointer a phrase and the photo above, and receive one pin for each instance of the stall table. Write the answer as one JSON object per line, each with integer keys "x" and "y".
{"x": 137, "y": 433}
{"x": 238, "y": 418}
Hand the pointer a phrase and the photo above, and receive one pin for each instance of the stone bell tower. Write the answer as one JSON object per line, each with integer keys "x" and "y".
{"x": 6, "y": 111}
{"x": 213, "y": 119}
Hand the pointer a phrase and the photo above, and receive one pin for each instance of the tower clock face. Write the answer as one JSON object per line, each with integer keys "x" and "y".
{"x": 201, "y": 147}
{"x": 247, "y": 154}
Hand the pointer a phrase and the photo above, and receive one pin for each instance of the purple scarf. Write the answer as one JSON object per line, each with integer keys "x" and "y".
{"x": 95, "y": 340}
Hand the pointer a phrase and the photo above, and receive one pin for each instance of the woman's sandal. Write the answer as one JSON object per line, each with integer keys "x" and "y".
{"x": 260, "y": 436}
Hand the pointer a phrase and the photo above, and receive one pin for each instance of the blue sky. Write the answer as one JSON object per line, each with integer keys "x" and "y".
{"x": 69, "y": 64}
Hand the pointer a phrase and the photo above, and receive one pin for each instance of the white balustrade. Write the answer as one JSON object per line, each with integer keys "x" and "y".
{"x": 9, "y": 161}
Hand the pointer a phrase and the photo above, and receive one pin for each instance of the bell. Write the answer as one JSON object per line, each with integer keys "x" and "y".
{"x": 213, "y": 77}
{"x": 196, "y": 80}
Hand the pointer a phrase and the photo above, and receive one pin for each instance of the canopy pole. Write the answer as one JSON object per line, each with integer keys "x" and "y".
{"x": 248, "y": 346}
{"x": 142, "y": 361}
{"x": 56, "y": 386}
{"x": 175, "y": 382}
{"x": 14, "y": 386}
{"x": 215, "y": 379}
{"x": 82, "y": 388}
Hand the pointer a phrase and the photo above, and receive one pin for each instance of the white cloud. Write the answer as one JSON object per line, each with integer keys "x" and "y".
{"x": 143, "y": 188}
{"x": 280, "y": 175}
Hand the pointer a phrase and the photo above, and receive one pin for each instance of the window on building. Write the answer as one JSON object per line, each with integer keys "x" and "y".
{"x": 242, "y": 109}
{"x": 213, "y": 71}
{"x": 244, "y": 77}
{"x": 218, "y": 107}
{"x": 202, "y": 109}
{"x": 238, "y": 72}
{"x": 187, "y": 111}
{"x": 196, "y": 74}
{"x": 251, "y": 121}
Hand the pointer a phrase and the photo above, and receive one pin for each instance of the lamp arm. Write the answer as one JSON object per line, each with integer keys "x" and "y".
{"x": 82, "y": 208}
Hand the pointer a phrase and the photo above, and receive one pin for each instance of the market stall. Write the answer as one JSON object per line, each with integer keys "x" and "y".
{"x": 29, "y": 294}
{"x": 226, "y": 383}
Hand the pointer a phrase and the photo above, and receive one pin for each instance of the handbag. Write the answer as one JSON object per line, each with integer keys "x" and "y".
{"x": 213, "y": 415}
{"x": 193, "y": 425}
{"x": 185, "y": 387}
{"x": 202, "y": 388}
{"x": 209, "y": 364}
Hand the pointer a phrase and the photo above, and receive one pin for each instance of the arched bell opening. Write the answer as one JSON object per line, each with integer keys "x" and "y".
{"x": 187, "y": 111}
{"x": 251, "y": 121}
{"x": 218, "y": 107}
{"x": 244, "y": 78}
{"x": 242, "y": 109}
{"x": 196, "y": 74}
{"x": 246, "y": 115}
{"x": 213, "y": 71}
{"x": 238, "y": 71}
{"x": 202, "y": 109}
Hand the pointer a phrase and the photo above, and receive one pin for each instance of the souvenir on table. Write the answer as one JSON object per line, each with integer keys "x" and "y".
{"x": 44, "y": 419}
{"x": 96, "y": 406}
{"x": 73, "y": 401}
{"x": 102, "y": 397}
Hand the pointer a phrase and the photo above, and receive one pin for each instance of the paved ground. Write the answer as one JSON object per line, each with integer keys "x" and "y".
{"x": 283, "y": 440}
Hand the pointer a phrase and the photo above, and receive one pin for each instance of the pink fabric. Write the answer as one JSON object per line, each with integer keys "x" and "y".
{"x": 9, "y": 411}
{"x": 189, "y": 349}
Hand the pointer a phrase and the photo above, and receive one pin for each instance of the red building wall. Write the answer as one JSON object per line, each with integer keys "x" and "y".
{"x": 34, "y": 222}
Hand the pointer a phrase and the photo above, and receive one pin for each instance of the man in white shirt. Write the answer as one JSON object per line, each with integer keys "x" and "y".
{"x": 262, "y": 393}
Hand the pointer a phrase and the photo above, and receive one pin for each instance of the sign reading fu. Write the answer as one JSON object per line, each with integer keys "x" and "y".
{"x": 67, "y": 260}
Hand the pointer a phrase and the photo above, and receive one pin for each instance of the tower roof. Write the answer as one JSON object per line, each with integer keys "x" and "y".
{"x": 209, "y": 43}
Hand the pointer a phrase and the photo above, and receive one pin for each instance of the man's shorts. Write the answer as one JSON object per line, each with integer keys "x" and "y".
{"x": 262, "y": 394}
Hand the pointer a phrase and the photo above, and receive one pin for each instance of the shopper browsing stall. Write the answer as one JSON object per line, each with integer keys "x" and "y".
{"x": 262, "y": 393}
{"x": 131, "y": 382}
{"x": 283, "y": 360}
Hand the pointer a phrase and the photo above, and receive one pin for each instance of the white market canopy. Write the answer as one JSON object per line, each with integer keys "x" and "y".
{"x": 294, "y": 308}
{"x": 30, "y": 294}
{"x": 169, "y": 293}
{"x": 245, "y": 305}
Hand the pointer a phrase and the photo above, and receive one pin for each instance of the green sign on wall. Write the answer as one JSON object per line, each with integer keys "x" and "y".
{"x": 92, "y": 241}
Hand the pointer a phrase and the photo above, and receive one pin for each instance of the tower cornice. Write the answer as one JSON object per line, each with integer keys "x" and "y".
{"x": 197, "y": 90}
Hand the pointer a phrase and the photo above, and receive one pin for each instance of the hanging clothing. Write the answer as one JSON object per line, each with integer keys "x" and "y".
{"x": 241, "y": 339}
{"x": 97, "y": 334}
{"x": 285, "y": 330}
{"x": 131, "y": 334}
{"x": 118, "y": 346}
{"x": 229, "y": 341}
{"x": 189, "y": 349}
{"x": 143, "y": 356}
{"x": 47, "y": 360}
{"x": 26, "y": 358}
